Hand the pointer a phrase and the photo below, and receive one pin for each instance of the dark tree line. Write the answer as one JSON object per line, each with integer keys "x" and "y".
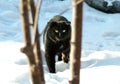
{"x": 104, "y": 6}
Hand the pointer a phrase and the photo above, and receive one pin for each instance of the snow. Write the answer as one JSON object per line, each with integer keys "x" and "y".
{"x": 100, "y": 46}
{"x": 110, "y": 2}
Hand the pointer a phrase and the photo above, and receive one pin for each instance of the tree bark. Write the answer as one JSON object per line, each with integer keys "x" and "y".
{"x": 33, "y": 53}
{"x": 36, "y": 43}
{"x": 75, "y": 53}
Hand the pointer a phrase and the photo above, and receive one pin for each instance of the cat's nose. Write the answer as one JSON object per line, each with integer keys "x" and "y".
{"x": 59, "y": 34}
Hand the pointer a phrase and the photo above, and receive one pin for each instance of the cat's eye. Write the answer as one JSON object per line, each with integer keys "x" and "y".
{"x": 64, "y": 31}
{"x": 56, "y": 31}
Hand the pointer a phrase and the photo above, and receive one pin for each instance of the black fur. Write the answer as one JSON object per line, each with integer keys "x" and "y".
{"x": 57, "y": 41}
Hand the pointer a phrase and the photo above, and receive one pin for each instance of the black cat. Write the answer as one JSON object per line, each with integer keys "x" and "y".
{"x": 57, "y": 41}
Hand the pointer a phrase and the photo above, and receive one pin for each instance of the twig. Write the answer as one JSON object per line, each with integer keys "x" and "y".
{"x": 64, "y": 11}
{"x": 36, "y": 19}
{"x": 78, "y": 2}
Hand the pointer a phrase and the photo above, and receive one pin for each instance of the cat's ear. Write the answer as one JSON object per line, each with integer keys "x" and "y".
{"x": 52, "y": 23}
{"x": 67, "y": 23}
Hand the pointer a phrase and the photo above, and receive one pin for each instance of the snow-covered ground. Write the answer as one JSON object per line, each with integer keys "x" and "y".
{"x": 100, "y": 47}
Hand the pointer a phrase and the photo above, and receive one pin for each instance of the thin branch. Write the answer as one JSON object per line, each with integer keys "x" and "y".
{"x": 36, "y": 20}
{"x": 67, "y": 9}
{"x": 64, "y": 11}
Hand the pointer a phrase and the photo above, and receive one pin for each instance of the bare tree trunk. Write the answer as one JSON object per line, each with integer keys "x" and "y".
{"x": 38, "y": 57}
{"x": 33, "y": 53}
{"x": 76, "y": 38}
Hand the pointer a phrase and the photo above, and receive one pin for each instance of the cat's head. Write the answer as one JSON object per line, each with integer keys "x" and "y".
{"x": 60, "y": 30}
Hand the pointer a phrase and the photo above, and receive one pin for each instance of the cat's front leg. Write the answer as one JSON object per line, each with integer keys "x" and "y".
{"x": 65, "y": 57}
{"x": 50, "y": 59}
